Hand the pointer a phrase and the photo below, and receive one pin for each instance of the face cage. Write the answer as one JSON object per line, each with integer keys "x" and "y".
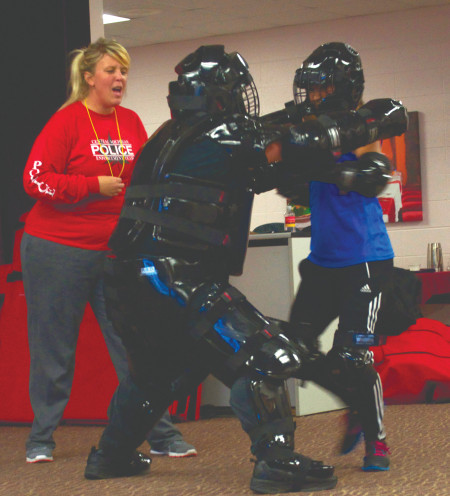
{"x": 306, "y": 80}
{"x": 249, "y": 100}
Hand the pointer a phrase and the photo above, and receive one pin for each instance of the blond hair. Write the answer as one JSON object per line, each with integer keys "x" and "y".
{"x": 85, "y": 60}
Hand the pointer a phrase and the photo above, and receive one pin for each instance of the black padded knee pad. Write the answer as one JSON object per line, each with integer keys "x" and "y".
{"x": 351, "y": 367}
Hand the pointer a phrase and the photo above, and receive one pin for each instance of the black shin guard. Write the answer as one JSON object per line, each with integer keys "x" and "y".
{"x": 263, "y": 408}
{"x": 133, "y": 413}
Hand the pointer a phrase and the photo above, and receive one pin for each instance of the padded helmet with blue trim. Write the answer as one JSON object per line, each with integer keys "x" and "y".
{"x": 213, "y": 81}
{"x": 333, "y": 69}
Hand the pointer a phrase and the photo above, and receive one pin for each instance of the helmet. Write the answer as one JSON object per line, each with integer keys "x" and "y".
{"x": 335, "y": 70}
{"x": 213, "y": 81}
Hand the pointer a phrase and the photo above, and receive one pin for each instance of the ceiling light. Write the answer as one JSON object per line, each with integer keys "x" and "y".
{"x": 109, "y": 19}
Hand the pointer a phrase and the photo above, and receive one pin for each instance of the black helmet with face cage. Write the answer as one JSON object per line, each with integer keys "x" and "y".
{"x": 213, "y": 81}
{"x": 335, "y": 66}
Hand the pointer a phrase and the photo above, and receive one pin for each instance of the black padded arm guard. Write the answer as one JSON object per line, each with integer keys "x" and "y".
{"x": 384, "y": 118}
{"x": 346, "y": 131}
{"x": 308, "y": 147}
{"x": 377, "y": 120}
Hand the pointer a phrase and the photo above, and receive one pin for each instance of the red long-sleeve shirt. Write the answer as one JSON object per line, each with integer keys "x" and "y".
{"x": 62, "y": 169}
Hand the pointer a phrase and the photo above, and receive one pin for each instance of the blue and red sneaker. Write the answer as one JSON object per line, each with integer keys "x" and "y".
{"x": 376, "y": 456}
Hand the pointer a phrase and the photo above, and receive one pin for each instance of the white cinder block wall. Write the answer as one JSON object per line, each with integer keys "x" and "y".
{"x": 405, "y": 55}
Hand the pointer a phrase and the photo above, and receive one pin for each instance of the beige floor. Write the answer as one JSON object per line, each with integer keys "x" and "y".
{"x": 419, "y": 436}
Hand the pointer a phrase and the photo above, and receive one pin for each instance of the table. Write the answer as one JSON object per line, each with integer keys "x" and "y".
{"x": 434, "y": 284}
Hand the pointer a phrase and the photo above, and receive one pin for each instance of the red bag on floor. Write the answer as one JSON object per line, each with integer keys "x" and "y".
{"x": 415, "y": 366}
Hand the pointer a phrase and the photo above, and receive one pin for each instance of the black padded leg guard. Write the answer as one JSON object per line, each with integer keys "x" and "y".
{"x": 133, "y": 413}
{"x": 263, "y": 408}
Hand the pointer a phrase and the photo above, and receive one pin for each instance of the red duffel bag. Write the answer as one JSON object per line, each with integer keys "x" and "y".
{"x": 415, "y": 366}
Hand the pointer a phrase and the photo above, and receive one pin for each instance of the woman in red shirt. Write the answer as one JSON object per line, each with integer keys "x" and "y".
{"x": 78, "y": 169}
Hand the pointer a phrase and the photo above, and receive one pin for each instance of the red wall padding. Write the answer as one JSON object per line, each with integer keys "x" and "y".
{"x": 95, "y": 379}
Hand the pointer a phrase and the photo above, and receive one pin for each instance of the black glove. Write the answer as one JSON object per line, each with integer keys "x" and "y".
{"x": 377, "y": 120}
{"x": 368, "y": 175}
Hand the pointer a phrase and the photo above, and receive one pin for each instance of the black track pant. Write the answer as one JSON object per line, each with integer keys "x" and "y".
{"x": 353, "y": 294}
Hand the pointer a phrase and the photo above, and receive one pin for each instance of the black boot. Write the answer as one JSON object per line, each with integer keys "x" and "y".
{"x": 281, "y": 470}
{"x": 101, "y": 466}
{"x": 297, "y": 474}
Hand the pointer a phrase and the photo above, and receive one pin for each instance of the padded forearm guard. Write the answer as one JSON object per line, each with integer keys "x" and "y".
{"x": 308, "y": 147}
{"x": 346, "y": 131}
{"x": 291, "y": 114}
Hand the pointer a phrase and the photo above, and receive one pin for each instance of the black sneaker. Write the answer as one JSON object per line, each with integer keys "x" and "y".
{"x": 353, "y": 434}
{"x": 298, "y": 473}
{"x": 100, "y": 466}
{"x": 376, "y": 456}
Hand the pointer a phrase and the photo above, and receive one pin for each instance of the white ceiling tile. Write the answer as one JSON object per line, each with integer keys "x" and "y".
{"x": 158, "y": 21}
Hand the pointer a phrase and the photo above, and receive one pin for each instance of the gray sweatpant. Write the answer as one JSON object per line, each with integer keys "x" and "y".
{"x": 59, "y": 280}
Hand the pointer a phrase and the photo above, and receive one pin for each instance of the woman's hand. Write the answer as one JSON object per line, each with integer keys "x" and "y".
{"x": 110, "y": 186}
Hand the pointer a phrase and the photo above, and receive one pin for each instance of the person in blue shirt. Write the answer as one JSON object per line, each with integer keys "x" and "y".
{"x": 350, "y": 260}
